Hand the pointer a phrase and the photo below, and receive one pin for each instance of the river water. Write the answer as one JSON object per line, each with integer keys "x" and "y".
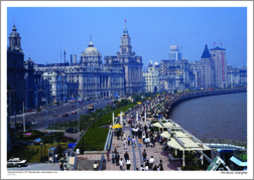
{"x": 221, "y": 116}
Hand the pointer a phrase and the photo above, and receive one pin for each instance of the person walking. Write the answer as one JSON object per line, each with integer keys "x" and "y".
{"x": 128, "y": 164}
{"x": 115, "y": 151}
{"x": 133, "y": 142}
{"x": 113, "y": 156}
{"x": 108, "y": 154}
{"x": 147, "y": 165}
{"x": 126, "y": 156}
{"x": 121, "y": 163}
{"x": 143, "y": 137}
{"x": 124, "y": 144}
{"x": 144, "y": 154}
{"x": 117, "y": 159}
{"x": 161, "y": 166}
{"x": 145, "y": 127}
{"x": 129, "y": 140}
{"x": 151, "y": 162}
{"x": 123, "y": 135}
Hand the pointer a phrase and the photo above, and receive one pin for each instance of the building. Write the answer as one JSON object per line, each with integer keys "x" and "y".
{"x": 175, "y": 53}
{"x": 175, "y": 75}
{"x": 15, "y": 73}
{"x": 41, "y": 90}
{"x": 151, "y": 80}
{"x": 206, "y": 70}
{"x": 131, "y": 64}
{"x": 237, "y": 76}
{"x": 89, "y": 78}
{"x": 29, "y": 84}
{"x": 220, "y": 66}
{"x": 57, "y": 81}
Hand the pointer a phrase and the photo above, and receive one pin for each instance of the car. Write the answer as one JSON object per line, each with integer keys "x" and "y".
{"x": 65, "y": 115}
{"x": 88, "y": 111}
{"x": 74, "y": 112}
{"x": 16, "y": 162}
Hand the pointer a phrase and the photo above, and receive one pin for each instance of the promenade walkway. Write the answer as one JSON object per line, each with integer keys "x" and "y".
{"x": 135, "y": 154}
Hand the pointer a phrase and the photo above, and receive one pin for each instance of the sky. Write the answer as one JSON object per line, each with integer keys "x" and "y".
{"x": 46, "y": 31}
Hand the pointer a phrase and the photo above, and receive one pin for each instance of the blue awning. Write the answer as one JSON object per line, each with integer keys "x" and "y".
{"x": 238, "y": 162}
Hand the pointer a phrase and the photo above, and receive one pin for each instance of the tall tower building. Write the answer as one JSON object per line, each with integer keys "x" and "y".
{"x": 206, "y": 69}
{"x": 175, "y": 53}
{"x": 131, "y": 63}
{"x": 220, "y": 66}
{"x": 15, "y": 73}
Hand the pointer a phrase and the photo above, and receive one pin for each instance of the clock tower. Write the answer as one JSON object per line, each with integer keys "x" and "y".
{"x": 125, "y": 47}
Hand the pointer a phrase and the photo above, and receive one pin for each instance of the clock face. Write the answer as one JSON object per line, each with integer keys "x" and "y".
{"x": 124, "y": 41}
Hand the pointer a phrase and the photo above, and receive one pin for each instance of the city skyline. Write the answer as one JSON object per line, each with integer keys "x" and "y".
{"x": 46, "y": 31}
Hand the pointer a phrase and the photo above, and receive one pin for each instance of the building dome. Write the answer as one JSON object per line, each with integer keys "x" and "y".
{"x": 91, "y": 49}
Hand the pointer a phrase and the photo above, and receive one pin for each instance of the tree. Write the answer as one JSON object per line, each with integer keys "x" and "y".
{"x": 58, "y": 136}
{"x": 46, "y": 140}
{"x": 100, "y": 112}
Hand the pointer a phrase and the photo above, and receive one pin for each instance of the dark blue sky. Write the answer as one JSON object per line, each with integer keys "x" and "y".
{"x": 152, "y": 30}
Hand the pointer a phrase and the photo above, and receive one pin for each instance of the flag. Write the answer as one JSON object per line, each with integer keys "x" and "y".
{"x": 214, "y": 43}
{"x": 125, "y": 20}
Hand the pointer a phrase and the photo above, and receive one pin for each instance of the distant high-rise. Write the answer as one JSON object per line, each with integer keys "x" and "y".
{"x": 220, "y": 66}
{"x": 175, "y": 53}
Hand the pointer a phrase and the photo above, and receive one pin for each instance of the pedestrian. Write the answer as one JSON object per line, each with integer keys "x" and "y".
{"x": 144, "y": 154}
{"x": 61, "y": 166}
{"x": 113, "y": 156}
{"x": 121, "y": 163}
{"x": 147, "y": 141}
{"x": 129, "y": 140}
{"x": 147, "y": 163}
{"x": 126, "y": 156}
{"x": 128, "y": 164}
{"x": 141, "y": 168}
{"x": 143, "y": 137}
{"x": 123, "y": 135}
{"x": 118, "y": 134}
{"x": 161, "y": 166}
{"x": 145, "y": 127}
{"x": 95, "y": 166}
{"x": 151, "y": 162}
{"x": 117, "y": 159}
{"x": 124, "y": 144}
{"x": 56, "y": 156}
{"x": 155, "y": 168}
{"x": 108, "y": 154}
{"x": 103, "y": 165}
{"x": 65, "y": 165}
{"x": 133, "y": 142}
{"x": 115, "y": 151}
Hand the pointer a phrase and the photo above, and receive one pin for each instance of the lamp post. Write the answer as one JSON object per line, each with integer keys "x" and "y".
{"x": 41, "y": 151}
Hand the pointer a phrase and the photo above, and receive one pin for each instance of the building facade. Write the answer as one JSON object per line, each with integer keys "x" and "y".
{"x": 89, "y": 78}
{"x": 220, "y": 66}
{"x": 151, "y": 80}
{"x": 15, "y": 73}
{"x": 131, "y": 64}
{"x": 175, "y": 53}
{"x": 29, "y": 84}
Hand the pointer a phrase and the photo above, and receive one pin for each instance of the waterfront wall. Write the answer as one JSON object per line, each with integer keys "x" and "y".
{"x": 191, "y": 95}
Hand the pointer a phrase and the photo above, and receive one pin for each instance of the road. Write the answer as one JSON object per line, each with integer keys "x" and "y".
{"x": 55, "y": 113}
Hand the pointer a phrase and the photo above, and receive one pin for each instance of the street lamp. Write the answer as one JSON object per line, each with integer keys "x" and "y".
{"x": 41, "y": 151}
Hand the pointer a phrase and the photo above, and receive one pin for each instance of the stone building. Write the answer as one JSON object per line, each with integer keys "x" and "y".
{"x": 151, "y": 80}
{"x": 29, "y": 84}
{"x": 127, "y": 60}
{"x": 220, "y": 66}
{"x": 206, "y": 70}
{"x": 57, "y": 81}
{"x": 175, "y": 75}
{"x": 89, "y": 78}
{"x": 15, "y": 73}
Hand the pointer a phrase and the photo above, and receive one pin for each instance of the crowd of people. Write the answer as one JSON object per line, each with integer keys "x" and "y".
{"x": 147, "y": 136}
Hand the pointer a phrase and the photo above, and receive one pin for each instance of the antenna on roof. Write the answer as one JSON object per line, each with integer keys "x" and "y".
{"x": 125, "y": 23}
{"x": 13, "y": 19}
